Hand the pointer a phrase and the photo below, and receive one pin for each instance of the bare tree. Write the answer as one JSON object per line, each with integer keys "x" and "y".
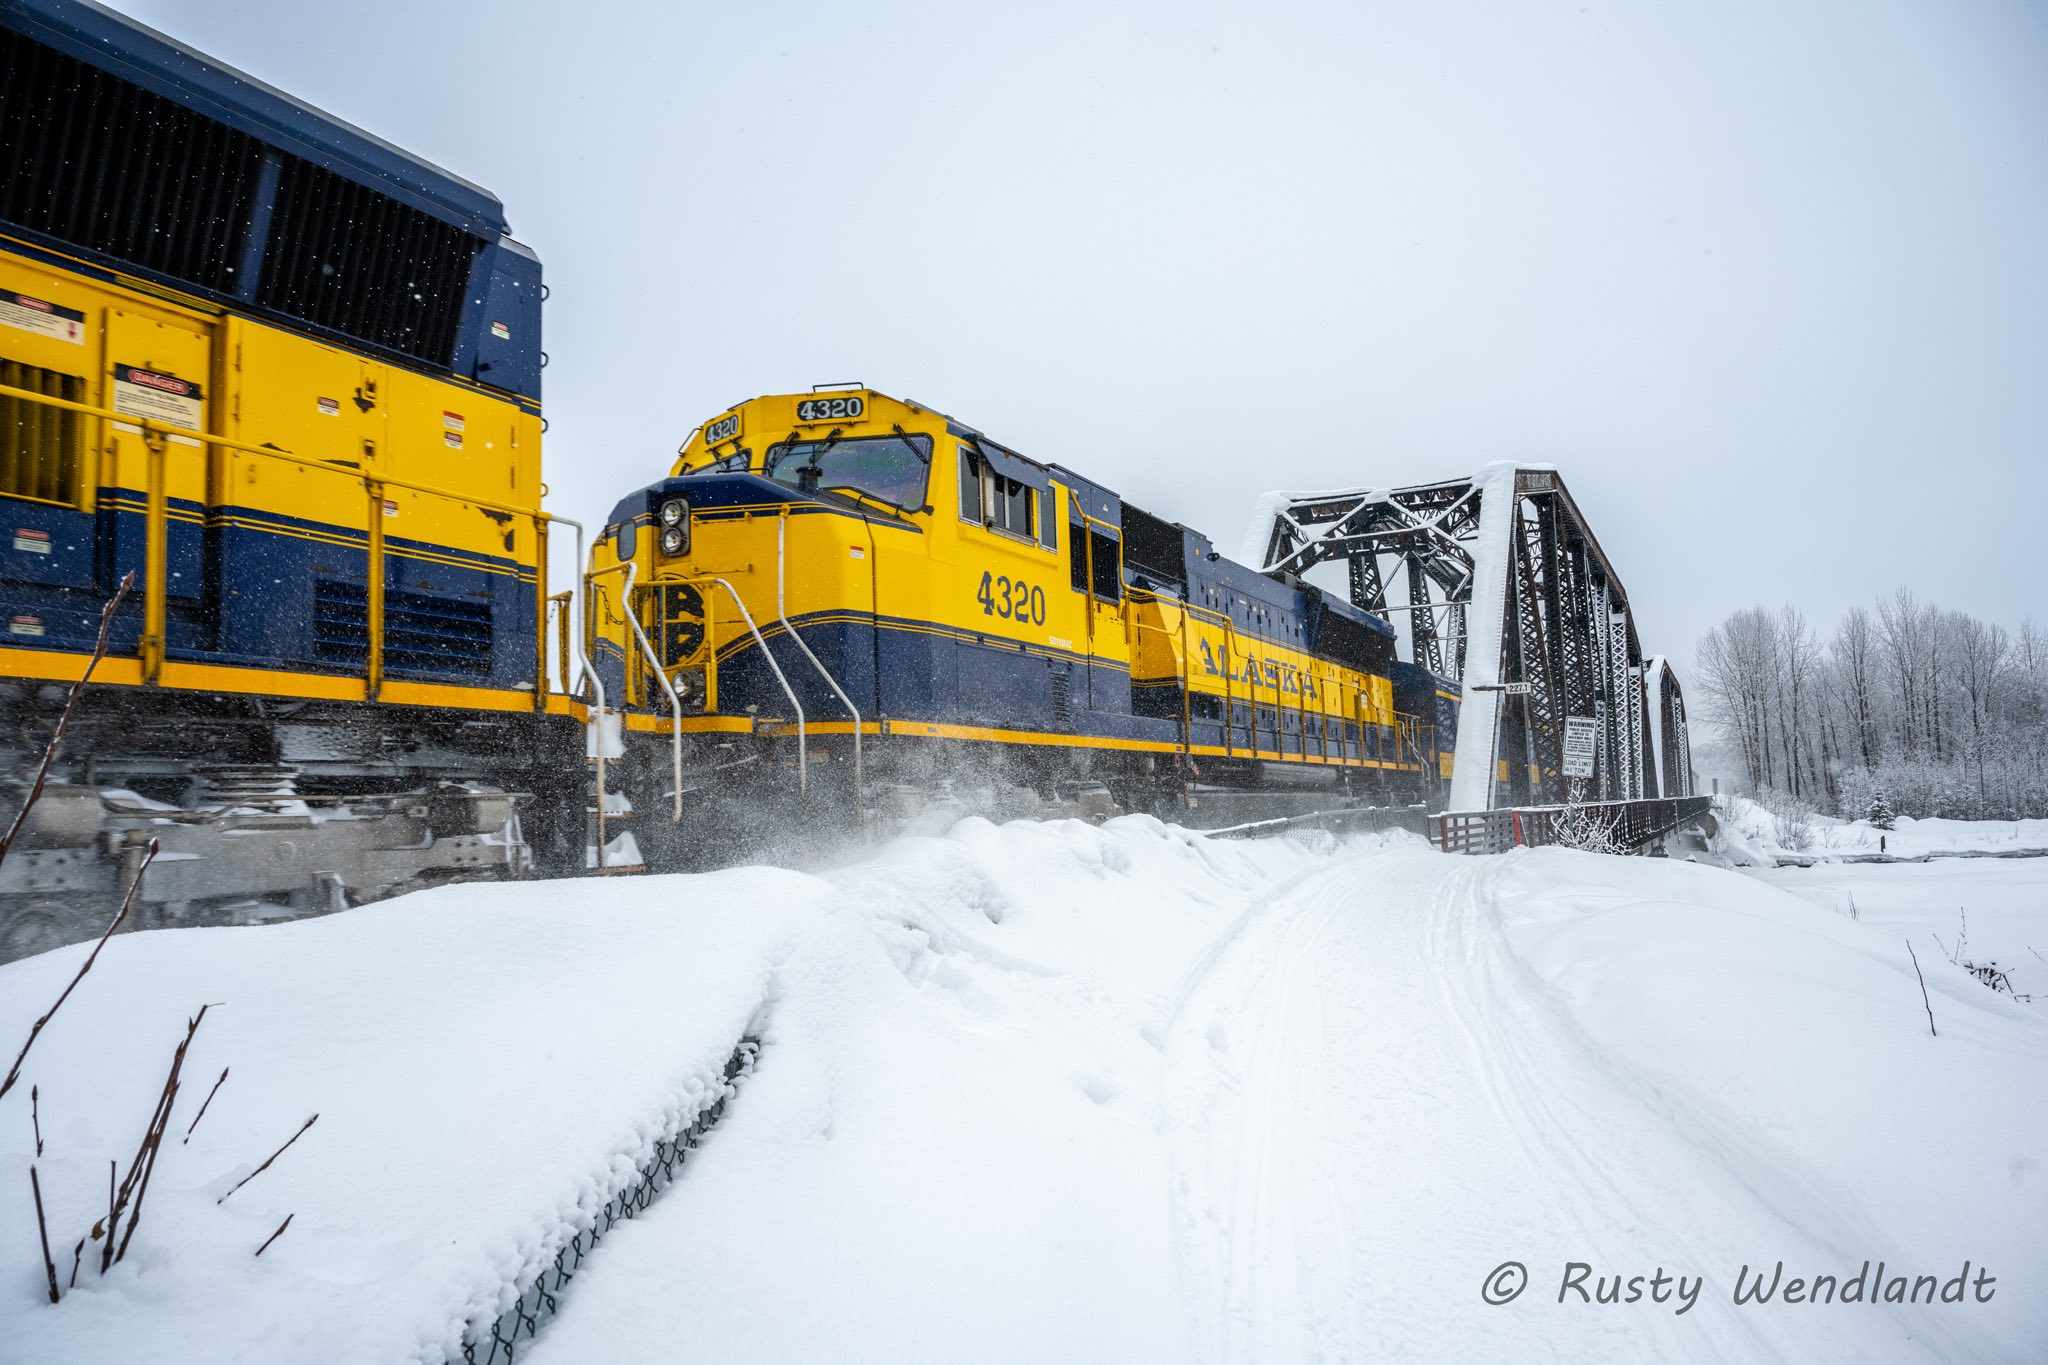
{"x": 1944, "y": 713}
{"x": 1854, "y": 654}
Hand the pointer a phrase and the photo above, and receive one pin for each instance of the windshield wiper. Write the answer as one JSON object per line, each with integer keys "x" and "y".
{"x": 910, "y": 445}
{"x": 862, "y": 495}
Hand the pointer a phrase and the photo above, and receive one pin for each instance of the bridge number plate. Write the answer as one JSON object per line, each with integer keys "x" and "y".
{"x": 1581, "y": 744}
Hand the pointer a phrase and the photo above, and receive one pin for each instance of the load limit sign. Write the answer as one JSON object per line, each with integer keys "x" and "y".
{"x": 1581, "y": 744}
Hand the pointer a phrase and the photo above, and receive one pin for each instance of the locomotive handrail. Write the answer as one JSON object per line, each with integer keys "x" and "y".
{"x": 1186, "y": 720}
{"x": 802, "y": 745}
{"x": 1191, "y": 609}
{"x": 156, "y": 436}
{"x": 1229, "y": 639}
{"x": 149, "y": 425}
{"x": 1088, "y": 556}
{"x": 782, "y": 615}
{"x": 1229, "y": 628}
{"x": 563, "y": 601}
{"x": 675, "y": 703}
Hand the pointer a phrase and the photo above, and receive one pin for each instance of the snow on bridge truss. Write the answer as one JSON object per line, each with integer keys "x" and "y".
{"x": 1505, "y": 589}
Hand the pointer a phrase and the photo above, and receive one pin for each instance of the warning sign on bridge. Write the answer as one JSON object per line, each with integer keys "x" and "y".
{"x": 1581, "y": 745}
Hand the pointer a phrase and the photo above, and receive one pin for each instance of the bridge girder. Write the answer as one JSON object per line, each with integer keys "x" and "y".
{"x": 1507, "y": 591}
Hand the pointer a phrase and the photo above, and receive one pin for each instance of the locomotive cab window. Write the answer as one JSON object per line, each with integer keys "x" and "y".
{"x": 893, "y": 469}
{"x": 993, "y": 499}
{"x": 1086, "y": 543}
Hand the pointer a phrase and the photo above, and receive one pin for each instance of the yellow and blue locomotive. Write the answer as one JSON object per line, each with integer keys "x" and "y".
{"x": 289, "y": 376}
{"x": 840, "y": 602}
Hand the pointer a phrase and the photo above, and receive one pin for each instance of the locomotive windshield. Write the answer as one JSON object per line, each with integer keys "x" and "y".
{"x": 891, "y": 468}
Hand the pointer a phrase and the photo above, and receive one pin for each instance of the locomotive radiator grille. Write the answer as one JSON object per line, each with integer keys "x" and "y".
{"x": 39, "y": 444}
{"x": 433, "y": 634}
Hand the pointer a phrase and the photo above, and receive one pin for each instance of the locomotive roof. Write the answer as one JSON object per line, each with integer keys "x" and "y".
{"x": 94, "y": 34}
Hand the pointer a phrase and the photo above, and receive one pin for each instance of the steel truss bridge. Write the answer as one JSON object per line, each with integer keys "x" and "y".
{"x": 1504, "y": 589}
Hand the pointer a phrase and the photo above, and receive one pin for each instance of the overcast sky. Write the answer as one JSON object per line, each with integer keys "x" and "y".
{"x": 1767, "y": 279}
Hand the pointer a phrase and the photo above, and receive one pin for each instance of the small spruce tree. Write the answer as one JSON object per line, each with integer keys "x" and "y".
{"x": 1880, "y": 814}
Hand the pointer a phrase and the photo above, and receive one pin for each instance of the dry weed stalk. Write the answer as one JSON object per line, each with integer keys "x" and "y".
{"x": 208, "y": 1100}
{"x": 267, "y": 1160}
{"x": 35, "y": 1029}
{"x": 43, "y": 1230}
{"x": 144, "y": 1164}
{"x": 1923, "y": 987}
{"x": 275, "y": 1235}
{"x": 50, "y": 751}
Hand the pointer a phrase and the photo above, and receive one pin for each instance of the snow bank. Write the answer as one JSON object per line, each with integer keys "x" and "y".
{"x": 1758, "y": 837}
{"x": 1790, "y": 1047}
{"x": 1978, "y": 910}
{"x": 1048, "y": 1091}
{"x": 488, "y": 1063}
{"x": 952, "y": 1147}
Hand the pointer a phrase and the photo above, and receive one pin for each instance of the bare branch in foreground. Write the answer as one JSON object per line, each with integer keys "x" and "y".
{"x": 202, "y": 1107}
{"x": 1923, "y": 987}
{"x": 153, "y": 1140}
{"x": 267, "y": 1160}
{"x": 275, "y": 1235}
{"x": 49, "y": 1266}
{"x": 50, "y": 751}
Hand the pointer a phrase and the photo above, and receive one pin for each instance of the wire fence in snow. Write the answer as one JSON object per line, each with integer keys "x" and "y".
{"x": 541, "y": 1301}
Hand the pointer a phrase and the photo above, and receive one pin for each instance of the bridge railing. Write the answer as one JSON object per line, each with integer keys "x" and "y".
{"x": 1629, "y": 824}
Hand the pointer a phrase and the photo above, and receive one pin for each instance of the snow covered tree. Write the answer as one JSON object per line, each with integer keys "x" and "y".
{"x": 1880, "y": 813}
{"x": 1945, "y": 714}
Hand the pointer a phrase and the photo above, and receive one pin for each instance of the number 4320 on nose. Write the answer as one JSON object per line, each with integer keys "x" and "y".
{"x": 1013, "y": 600}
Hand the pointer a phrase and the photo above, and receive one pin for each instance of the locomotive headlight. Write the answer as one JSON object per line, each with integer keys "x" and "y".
{"x": 674, "y": 516}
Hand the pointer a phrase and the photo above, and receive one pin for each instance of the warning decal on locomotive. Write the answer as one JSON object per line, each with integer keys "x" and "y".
{"x": 158, "y": 397}
{"x": 43, "y": 318}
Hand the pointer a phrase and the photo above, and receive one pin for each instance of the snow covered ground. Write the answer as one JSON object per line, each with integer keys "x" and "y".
{"x": 1753, "y": 834}
{"x": 1053, "y": 1091}
{"x": 1978, "y": 910}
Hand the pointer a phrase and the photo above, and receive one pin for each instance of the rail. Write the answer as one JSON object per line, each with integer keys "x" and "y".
{"x": 1630, "y": 824}
{"x": 157, "y": 438}
{"x": 782, "y": 615}
{"x": 802, "y": 744}
{"x": 675, "y": 703}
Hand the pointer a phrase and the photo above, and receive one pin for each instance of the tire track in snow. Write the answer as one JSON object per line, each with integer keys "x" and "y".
{"x": 1216, "y": 1200}
{"x": 1371, "y": 1102}
{"x": 1645, "y": 1180}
